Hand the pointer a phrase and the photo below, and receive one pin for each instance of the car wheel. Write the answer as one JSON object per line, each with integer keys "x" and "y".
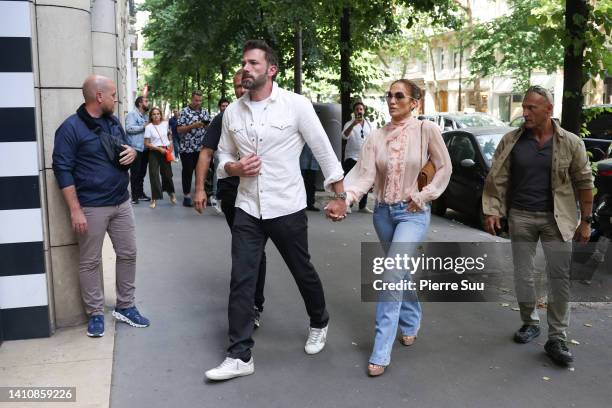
{"x": 438, "y": 207}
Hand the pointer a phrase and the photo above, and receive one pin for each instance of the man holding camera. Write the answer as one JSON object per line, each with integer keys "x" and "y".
{"x": 135, "y": 122}
{"x": 355, "y": 133}
{"x": 191, "y": 126}
{"x": 91, "y": 156}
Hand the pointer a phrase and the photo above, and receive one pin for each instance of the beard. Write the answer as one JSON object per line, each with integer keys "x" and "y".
{"x": 253, "y": 82}
{"x": 145, "y": 108}
{"x": 108, "y": 112}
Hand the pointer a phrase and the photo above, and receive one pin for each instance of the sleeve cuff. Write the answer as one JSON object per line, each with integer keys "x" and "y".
{"x": 335, "y": 177}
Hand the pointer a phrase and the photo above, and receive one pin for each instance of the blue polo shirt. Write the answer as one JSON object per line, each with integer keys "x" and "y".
{"x": 79, "y": 159}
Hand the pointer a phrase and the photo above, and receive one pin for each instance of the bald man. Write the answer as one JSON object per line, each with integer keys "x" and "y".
{"x": 91, "y": 158}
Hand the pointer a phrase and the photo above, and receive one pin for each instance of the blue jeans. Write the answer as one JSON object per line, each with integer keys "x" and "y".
{"x": 394, "y": 225}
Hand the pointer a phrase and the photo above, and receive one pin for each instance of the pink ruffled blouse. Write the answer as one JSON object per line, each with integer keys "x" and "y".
{"x": 391, "y": 159}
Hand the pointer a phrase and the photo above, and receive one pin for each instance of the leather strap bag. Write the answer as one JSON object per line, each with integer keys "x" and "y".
{"x": 428, "y": 171}
{"x": 168, "y": 154}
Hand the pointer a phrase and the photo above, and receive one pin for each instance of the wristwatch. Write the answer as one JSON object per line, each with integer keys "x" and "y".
{"x": 340, "y": 196}
{"x": 588, "y": 219}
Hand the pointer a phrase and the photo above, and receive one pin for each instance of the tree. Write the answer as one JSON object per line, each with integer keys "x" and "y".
{"x": 543, "y": 34}
{"x": 195, "y": 40}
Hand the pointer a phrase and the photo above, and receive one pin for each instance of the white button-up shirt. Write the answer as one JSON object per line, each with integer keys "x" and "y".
{"x": 355, "y": 139}
{"x": 277, "y": 137}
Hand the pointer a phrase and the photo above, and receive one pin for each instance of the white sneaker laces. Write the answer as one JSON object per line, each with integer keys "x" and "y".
{"x": 228, "y": 362}
{"x": 314, "y": 336}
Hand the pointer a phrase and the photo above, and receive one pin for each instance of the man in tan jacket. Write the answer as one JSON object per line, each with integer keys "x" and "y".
{"x": 539, "y": 172}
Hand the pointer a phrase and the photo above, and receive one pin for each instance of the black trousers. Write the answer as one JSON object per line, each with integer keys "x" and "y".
{"x": 159, "y": 166}
{"x": 138, "y": 170}
{"x": 289, "y": 234}
{"x": 189, "y": 161}
{"x": 309, "y": 177}
{"x": 229, "y": 210}
{"x": 347, "y": 165}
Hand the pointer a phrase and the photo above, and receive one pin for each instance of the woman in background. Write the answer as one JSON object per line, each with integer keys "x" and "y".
{"x": 158, "y": 139}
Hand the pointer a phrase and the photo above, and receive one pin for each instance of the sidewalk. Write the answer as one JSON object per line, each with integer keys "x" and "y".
{"x": 68, "y": 358}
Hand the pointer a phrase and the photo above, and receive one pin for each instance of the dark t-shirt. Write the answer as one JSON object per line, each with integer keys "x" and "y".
{"x": 531, "y": 166}
{"x": 226, "y": 187}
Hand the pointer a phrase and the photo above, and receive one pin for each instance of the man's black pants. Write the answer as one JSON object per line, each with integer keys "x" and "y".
{"x": 229, "y": 210}
{"x": 310, "y": 177}
{"x": 138, "y": 170}
{"x": 189, "y": 161}
{"x": 289, "y": 234}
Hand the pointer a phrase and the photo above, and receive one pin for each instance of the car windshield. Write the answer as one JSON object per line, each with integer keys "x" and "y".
{"x": 479, "y": 121}
{"x": 488, "y": 144}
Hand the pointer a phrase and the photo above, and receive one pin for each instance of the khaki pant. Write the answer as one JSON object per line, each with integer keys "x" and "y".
{"x": 118, "y": 221}
{"x": 526, "y": 228}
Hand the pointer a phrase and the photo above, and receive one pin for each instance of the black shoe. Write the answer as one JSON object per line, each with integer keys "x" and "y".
{"x": 312, "y": 208}
{"x": 187, "y": 202}
{"x": 558, "y": 352}
{"x": 144, "y": 197}
{"x": 526, "y": 333}
{"x": 257, "y": 319}
{"x": 134, "y": 201}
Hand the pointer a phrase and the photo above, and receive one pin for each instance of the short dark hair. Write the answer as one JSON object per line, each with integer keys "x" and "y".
{"x": 271, "y": 56}
{"x": 413, "y": 89}
{"x": 138, "y": 101}
{"x": 196, "y": 92}
{"x": 222, "y": 101}
{"x": 359, "y": 103}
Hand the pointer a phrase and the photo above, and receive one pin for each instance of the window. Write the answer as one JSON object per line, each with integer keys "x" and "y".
{"x": 461, "y": 148}
{"x": 456, "y": 59}
{"x": 441, "y": 60}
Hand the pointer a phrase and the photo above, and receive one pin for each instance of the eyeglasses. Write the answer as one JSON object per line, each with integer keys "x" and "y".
{"x": 398, "y": 96}
{"x": 540, "y": 90}
{"x": 362, "y": 131}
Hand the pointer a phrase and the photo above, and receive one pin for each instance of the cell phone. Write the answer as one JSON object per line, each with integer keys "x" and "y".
{"x": 359, "y": 116}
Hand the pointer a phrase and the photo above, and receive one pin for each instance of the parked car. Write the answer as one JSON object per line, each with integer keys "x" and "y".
{"x": 471, "y": 152}
{"x": 454, "y": 121}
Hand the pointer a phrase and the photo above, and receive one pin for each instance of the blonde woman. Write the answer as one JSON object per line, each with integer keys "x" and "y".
{"x": 158, "y": 139}
{"x": 391, "y": 159}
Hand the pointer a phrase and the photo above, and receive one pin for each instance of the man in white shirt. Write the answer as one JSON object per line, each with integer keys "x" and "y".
{"x": 355, "y": 133}
{"x": 267, "y": 128}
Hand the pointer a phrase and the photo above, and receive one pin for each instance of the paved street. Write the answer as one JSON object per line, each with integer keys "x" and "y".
{"x": 464, "y": 356}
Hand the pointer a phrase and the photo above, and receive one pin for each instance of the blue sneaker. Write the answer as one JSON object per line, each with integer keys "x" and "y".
{"x": 95, "y": 327}
{"x": 131, "y": 316}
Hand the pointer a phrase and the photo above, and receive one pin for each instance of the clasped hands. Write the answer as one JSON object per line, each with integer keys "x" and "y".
{"x": 335, "y": 210}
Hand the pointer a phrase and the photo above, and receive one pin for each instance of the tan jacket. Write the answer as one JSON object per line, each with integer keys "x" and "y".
{"x": 571, "y": 171}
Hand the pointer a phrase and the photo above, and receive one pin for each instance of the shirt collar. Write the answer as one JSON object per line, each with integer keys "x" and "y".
{"x": 273, "y": 96}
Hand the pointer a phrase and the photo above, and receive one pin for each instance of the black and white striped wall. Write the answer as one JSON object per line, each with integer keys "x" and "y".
{"x": 24, "y": 301}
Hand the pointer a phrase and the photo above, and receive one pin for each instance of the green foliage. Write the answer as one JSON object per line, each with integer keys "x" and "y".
{"x": 195, "y": 41}
{"x": 588, "y": 114}
{"x": 533, "y": 37}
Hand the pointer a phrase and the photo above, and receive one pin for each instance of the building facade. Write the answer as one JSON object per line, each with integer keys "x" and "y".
{"x": 48, "y": 47}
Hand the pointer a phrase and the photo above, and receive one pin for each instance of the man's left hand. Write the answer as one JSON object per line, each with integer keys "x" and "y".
{"x": 335, "y": 210}
{"x": 127, "y": 156}
{"x": 583, "y": 232}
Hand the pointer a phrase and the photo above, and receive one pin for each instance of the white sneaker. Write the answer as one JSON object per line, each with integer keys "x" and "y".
{"x": 349, "y": 210}
{"x": 217, "y": 207}
{"x": 316, "y": 340}
{"x": 366, "y": 210}
{"x": 231, "y": 368}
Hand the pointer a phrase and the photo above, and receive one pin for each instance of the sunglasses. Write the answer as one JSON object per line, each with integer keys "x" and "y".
{"x": 398, "y": 96}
